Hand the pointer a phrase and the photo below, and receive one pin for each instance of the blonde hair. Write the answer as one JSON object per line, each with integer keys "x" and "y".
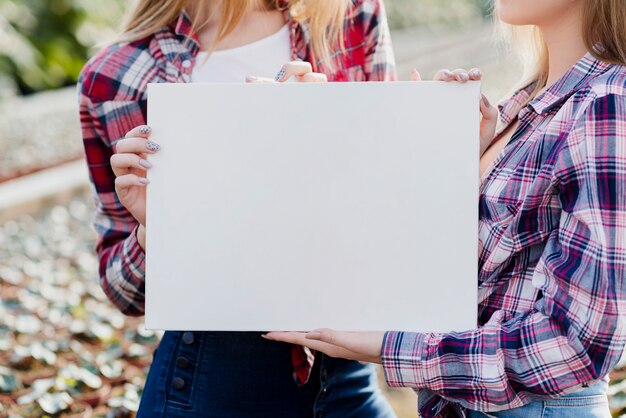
{"x": 603, "y": 30}
{"x": 324, "y": 18}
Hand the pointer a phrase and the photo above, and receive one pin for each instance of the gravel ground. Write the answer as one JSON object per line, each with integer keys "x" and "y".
{"x": 64, "y": 349}
{"x": 38, "y": 131}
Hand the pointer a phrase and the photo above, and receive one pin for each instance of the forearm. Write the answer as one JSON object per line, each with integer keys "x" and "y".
{"x": 502, "y": 365}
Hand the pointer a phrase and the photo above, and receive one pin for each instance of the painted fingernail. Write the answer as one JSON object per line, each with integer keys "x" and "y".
{"x": 280, "y": 75}
{"x": 145, "y": 129}
{"x": 143, "y": 180}
{"x": 475, "y": 72}
{"x": 485, "y": 101}
{"x": 152, "y": 146}
{"x": 463, "y": 77}
{"x": 145, "y": 163}
{"x": 314, "y": 335}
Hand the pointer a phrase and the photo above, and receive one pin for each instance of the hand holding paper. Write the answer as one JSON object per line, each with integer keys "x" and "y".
{"x": 129, "y": 164}
{"x": 361, "y": 346}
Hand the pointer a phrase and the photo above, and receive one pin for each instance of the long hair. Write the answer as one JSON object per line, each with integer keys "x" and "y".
{"x": 324, "y": 18}
{"x": 603, "y": 31}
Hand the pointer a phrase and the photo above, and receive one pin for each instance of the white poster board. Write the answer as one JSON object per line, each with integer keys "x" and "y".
{"x": 296, "y": 206}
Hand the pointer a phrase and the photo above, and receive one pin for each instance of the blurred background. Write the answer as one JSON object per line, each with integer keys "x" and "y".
{"x": 64, "y": 350}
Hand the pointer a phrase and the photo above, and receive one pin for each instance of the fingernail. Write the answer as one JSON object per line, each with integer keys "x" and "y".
{"x": 448, "y": 73}
{"x": 485, "y": 101}
{"x": 251, "y": 78}
{"x": 314, "y": 335}
{"x": 143, "y": 180}
{"x": 280, "y": 75}
{"x": 145, "y": 129}
{"x": 463, "y": 77}
{"x": 152, "y": 146}
{"x": 475, "y": 72}
{"x": 145, "y": 163}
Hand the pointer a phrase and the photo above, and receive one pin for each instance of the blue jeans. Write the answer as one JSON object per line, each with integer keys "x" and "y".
{"x": 591, "y": 402}
{"x": 240, "y": 375}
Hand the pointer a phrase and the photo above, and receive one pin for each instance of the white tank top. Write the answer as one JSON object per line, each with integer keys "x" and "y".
{"x": 262, "y": 58}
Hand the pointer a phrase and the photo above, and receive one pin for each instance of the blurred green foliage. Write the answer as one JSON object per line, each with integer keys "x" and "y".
{"x": 44, "y": 43}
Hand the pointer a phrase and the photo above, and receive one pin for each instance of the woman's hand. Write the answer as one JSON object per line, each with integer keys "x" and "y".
{"x": 129, "y": 165}
{"x": 301, "y": 70}
{"x": 361, "y": 346}
{"x": 489, "y": 114}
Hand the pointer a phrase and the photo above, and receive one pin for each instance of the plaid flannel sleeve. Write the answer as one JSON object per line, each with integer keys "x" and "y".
{"x": 577, "y": 331}
{"x": 121, "y": 259}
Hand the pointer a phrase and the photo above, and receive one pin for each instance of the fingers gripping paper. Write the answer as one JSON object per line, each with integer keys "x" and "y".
{"x": 297, "y": 206}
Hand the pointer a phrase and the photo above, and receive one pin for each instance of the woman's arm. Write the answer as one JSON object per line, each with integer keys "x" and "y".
{"x": 121, "y": 258}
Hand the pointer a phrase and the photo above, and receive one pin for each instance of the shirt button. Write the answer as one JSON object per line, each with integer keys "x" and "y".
{"x": 182, "y": 362}
{"x": 188, "y": 338}
{"x": 186, "y": 64}
{"x": 178, "y": 383}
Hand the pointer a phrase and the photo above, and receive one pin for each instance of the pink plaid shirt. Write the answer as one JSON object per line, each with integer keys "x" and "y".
{"x": 552, "y": 261}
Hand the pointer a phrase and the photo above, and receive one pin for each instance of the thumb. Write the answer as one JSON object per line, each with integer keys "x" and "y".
{"x": 415, "y": 75}
{"x": 488, "y": 123}
{"x": 488, "y": 111}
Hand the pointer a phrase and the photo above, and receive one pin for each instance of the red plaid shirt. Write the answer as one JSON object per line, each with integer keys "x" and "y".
{"x": 112, "y": 96}
{"x": 552, "y": 259}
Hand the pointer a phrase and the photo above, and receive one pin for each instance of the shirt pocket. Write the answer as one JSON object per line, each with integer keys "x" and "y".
{"x": 498, "y": 211}
{"x": 500, "y": 201}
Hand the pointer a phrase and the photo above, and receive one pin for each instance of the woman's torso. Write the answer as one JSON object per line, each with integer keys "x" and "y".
{"x": 225, "y": 374}
{"x": 519, "y": 201}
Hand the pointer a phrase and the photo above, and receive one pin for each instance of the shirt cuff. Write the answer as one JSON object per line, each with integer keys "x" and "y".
{"x": 134, "y": 258}
{"x": 402, "y": 355}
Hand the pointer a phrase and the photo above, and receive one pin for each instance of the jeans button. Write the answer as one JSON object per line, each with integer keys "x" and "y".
{"x": 188, "y": 338}
{"x": 178, "y": 383}
{"x": 182, "y": 362}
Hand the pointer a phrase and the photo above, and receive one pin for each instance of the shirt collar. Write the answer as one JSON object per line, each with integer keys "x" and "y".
{"x": 183, "y": 31}
{"x": 580, "y": 75}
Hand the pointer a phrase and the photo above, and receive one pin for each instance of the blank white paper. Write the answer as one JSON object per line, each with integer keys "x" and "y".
{"x": 294, "y": 206}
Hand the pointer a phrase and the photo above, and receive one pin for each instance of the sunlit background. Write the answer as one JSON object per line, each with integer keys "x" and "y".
{"x": 64, "y": 350}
